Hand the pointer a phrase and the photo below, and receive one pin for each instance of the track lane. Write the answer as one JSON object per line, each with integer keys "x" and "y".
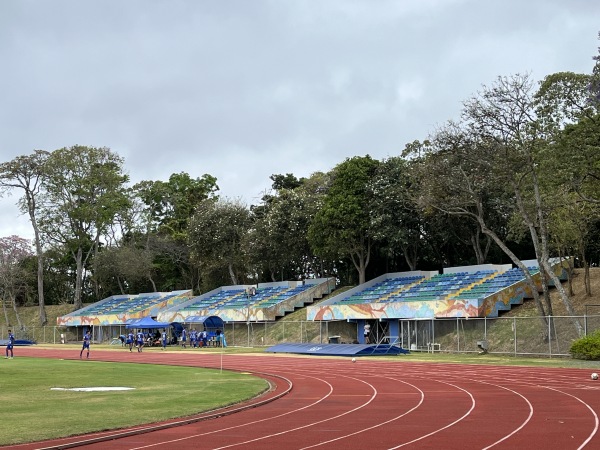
{"x": 415, "y": 405}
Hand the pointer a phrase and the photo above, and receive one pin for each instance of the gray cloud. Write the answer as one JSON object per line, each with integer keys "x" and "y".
{"x": 242, "y": 90}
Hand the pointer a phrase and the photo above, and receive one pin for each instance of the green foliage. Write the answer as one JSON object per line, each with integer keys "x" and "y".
{"x": 171, "y": 204}
{"x": 85, "y": 193}
{"x": 216, "y": 235}
{"x": 342, "y": 226}
{"x": 587, "y": 347}
{"x": 277, "y": 244}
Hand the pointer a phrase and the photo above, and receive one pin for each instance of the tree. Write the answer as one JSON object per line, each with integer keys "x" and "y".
{"x": 167, "y": 208}
{"x": 466, "y": 176}
{"x": 395, "y": 218}
{"x": 277, "y": 244}
{"x": 572, "y": 126}
{"x": 13, "y": 275}
{"x": 342, "y": 227}
{"x": 216, "y": 233}
{"x": 171, "y": 204}
{"x": 85, "y": 191}
{"x": 505, "y": 114}
{"x": 126, "y": 265}
{"x": 28, "y": 173}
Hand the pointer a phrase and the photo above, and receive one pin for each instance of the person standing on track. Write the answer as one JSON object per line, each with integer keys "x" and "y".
{"x": 9, "y": 345}
{"x": 130, "y": 340}
{"x": 140, "y": 341}
{"x": 163, "y": 339}
{"x": 367, "y": 333}
{"x": 183, "y": 338}
{"x": 86, "y": 345}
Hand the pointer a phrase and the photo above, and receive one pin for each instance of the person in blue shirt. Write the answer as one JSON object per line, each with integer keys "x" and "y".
{"x": 193, "y": 338}
{"x": 183, "y": 338}
{"x": 86, "y": 345}
{"x": 163, "y": 339}
{"x": 10, "y": 345}
{"x": 140, "y": 341}
{"x": 130, "y": 340}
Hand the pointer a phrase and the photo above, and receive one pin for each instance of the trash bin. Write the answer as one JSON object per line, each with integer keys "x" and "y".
{"x": 334, "y": 339}
{"x": 482, "y": 346}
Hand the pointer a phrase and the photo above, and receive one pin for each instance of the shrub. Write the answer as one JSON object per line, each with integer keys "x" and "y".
{"x": 587, "y": 347}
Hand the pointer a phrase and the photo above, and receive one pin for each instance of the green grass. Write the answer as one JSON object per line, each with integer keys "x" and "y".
{"x": 32, "y": 411}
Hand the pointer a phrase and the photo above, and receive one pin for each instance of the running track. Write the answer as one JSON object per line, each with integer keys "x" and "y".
{"x": 327, "y": 403}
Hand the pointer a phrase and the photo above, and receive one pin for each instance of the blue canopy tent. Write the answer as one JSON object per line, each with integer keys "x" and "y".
{"x": 146, "y": 322}
{"x": 209, "y": 322}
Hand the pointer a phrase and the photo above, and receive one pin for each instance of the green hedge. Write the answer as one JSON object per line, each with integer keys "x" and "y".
{"x": 587, "y": 347}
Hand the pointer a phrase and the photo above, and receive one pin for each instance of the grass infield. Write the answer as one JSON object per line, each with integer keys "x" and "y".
{"x": 32, "y": 411}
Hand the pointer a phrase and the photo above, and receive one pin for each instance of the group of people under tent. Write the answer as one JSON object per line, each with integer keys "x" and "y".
{"x": 203, "y": 338}
{"x": 143, "y": 338}
{"x": 149, "y": 338}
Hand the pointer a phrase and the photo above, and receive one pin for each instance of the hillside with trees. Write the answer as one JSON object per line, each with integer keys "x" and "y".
{"x": 516, "y": 176}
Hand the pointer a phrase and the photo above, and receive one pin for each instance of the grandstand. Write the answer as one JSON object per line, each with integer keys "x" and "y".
{"x": 393, "y": 300}
{"x": 118, "y": 309}
{"x": 243, "y": 303}
{"x": 261, "y": 302}
{"x": 471, "y": 291}
{"x": 393, "y": 304}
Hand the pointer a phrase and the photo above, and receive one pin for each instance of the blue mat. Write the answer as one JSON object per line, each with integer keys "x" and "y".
{"x": 339, "y": 349}
{"x": 4, "y": 343}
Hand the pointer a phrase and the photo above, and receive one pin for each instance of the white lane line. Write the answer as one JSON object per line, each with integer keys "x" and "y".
{"x": 379, "y": 424}
{"x": 446, "y": 426}
{"x": 371, "y": 398}
{"x": 595, "y": 430}
{"x": 244, "y": 424}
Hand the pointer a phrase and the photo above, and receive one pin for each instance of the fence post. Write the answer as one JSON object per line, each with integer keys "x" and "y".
{"x": 457, "y": 335}
{"x": 549, "y": 336}
{"x": 515, "y": 333}
{"x": 485, "y": 328}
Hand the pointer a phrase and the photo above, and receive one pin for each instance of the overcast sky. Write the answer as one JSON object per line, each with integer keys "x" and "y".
{"x": 245, "y": 89}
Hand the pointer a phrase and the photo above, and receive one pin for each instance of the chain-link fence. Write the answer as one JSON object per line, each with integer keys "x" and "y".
{"x": 543, "y": 336}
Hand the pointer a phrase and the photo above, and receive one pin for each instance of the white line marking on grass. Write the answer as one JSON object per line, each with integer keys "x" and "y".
{"x": 93, "y": 389}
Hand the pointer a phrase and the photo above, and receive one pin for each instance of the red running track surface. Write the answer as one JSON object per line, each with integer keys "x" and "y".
{"x": 373, "y": 404}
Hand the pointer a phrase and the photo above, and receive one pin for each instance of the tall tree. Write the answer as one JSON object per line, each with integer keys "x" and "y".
{"x": 171, "y": 204}
{"x": 167, "y": 209}
{"x": 13, "y": 275}
{"x": 572, "y": 125}
{"x": 216, "y": 234}
{"x": 395, "y": 217}
{"x": 27, "y": 173}
{"x": 464, "y": 176}
{"x": 85, "y": 191}
{"x": 277, "y": 243}
{"x": 342, "y": 227}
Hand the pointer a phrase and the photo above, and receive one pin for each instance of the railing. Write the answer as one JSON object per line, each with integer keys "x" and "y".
{"x": 548, "y": 336}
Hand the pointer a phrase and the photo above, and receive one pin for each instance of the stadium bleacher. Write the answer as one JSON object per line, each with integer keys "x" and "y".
{"x": 459, "y": 285}
{"x": 265, "y": 297}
